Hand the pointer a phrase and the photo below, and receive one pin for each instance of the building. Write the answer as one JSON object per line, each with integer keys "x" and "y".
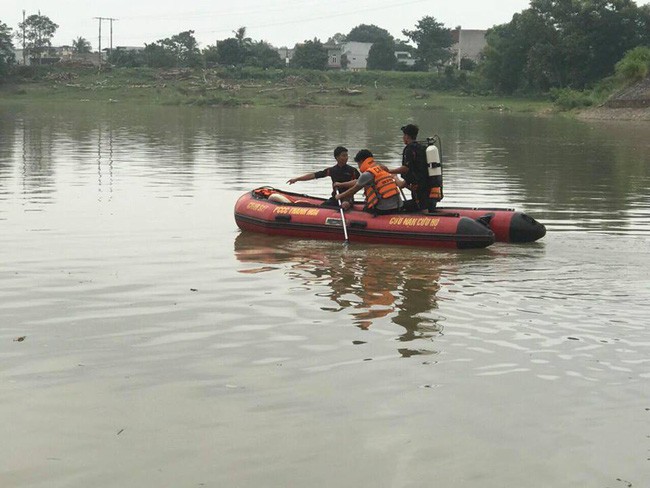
{"x": 405, "y": 58}
{"x": 468, "y": 44}
{"x": 348, "y": 55}
{"x": 81, "y": 59}
{"x": 285, "y": 53}
{"x": 356, "y": 54}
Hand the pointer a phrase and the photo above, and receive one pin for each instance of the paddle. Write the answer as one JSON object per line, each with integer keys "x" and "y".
{"x": 345, "y": 227}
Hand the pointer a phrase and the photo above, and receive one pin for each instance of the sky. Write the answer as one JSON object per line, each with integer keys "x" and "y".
{"x": 281, "y": 23}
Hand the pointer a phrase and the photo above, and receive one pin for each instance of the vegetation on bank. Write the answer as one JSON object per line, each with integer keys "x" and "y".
{"x": 575, "y": 54}
{"x": 259, "y": 87}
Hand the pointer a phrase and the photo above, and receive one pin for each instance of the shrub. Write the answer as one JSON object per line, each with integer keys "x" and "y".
{"x": 568, "y": 99}
{"x": 634, "y": 66}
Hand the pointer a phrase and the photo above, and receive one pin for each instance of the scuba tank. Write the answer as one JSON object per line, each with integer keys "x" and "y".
{"x": 434, "y": 160}
{"x": 434, "y": 166}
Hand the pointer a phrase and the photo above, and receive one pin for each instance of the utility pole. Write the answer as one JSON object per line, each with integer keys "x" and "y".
{"x": 110, "y": 19}
{"x": 24, "y": 53}
{"x": 111, "y": 38}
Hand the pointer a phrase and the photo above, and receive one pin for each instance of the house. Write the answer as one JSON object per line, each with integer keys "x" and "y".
{"x": 351, "y": 55}
{"x": 285, "y": 53}
{"x": 468, "y": 44}
{"x": 81, "y": 59}
{"x": 405, "y": 58}
{"x": 334, "y": 53}
{"x": 51, "y": 55}
{"x": 356, "y": 54}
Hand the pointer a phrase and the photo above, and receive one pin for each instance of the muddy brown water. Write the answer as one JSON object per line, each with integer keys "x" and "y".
{"x": 146, "y": 342}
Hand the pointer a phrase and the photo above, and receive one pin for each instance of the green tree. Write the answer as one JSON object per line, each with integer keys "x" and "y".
{"x": 243, "y": 41}
{"x": 345, "y": 62}
{"x": 310, "y": 55}
{"x": 263, "y": 55}
{"x": 156, "y": 56}
{"x": 382, "y": 55}
{"x": 593, "y": 34}
{"x": 520, "y": 55}
{"x": 231, "y": 53}
{"x": 180, "y": 50}
{"x": 337, "y": 38}
{"x": 6, "y": 50}
{"x": 560, "y": 43}
{"x": 184, "y": 49}
{"x": 39, "y": 30}
{"x": 211, "y": 55}
{"x": 126, "y": 59}
{"x": 81, "y": 45}
{"x": 368, "y": 33}
{"x": 433, "y": 41}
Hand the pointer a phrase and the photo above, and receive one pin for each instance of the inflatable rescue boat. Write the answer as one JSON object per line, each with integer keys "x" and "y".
{"x": 276, "y": 212}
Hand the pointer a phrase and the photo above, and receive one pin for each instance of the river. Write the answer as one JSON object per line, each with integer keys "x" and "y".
{"x": 146, "y": 342}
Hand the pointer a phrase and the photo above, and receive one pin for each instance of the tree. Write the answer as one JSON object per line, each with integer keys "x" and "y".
{"x": 243, "y": 41}
{"x": 263, "y": 55}
{"x": 126, "y": 59}
{"x": 6, "y": 50}
{"x": 39, "y": 30}
{"x": 337, "y": 38}
{"x": 382, "y": 55}
{"x": 184, "y": 48}
{"x": 156, "y": 56}
{"x": 518, "y": 55}
{"x": 211, "y": 55}
{"x": 81, "y": 45}
{"x": 433, "y": 41}
{"x": 180, "y": 50}
{"x": 345, "y": 62}
{"x": 368, "y": 33}
{"x": 559, "y": 43}
{"x": 310, "y": 55}
{"x": 230, "y": 52}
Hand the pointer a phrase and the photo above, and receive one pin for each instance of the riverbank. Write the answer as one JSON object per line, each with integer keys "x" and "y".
{"x": 249, "y": 88}
{"x": 608, "y": 113}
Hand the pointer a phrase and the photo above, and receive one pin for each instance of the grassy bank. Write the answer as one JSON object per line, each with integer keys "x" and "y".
{"x": 256, "y": 87}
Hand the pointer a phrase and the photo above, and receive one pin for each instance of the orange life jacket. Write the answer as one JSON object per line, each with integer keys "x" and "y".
{"x": 384, "y": 185}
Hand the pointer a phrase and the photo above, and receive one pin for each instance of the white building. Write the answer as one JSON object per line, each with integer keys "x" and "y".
{"x": 468, "y": 44}
{"x": 356, "y": 54}
{"x": 405, "y": 58}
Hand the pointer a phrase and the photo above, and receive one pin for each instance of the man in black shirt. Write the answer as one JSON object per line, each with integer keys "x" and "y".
{"x": 414, "y": 170}
{"x": 341, "y": 172}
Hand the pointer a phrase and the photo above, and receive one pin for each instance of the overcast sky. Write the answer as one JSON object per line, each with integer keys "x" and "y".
{"x": 282, "y": 23}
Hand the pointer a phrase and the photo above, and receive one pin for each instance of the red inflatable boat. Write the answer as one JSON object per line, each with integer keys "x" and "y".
{"x": 275, "y": 212}
{"x": 507, "y": 224}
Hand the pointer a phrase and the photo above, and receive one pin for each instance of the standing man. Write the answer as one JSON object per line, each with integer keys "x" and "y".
{"x": 382, "y": 194}
{"x": 426, "y": 190}
{"x": 341, "y": 172}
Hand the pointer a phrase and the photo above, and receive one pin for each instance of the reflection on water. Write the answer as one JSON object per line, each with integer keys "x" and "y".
{"x": 368, "y": 283}
{"x": 569, "y": 175}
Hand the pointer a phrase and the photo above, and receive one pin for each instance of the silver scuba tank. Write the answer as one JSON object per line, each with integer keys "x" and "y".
{"x": 434, "y": 161}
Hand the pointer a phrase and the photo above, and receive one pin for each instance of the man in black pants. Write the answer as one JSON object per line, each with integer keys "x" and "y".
{"x": 341, "y": 172}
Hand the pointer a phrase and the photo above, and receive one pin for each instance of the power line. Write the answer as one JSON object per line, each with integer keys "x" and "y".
{"x": 307, "y": 19}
